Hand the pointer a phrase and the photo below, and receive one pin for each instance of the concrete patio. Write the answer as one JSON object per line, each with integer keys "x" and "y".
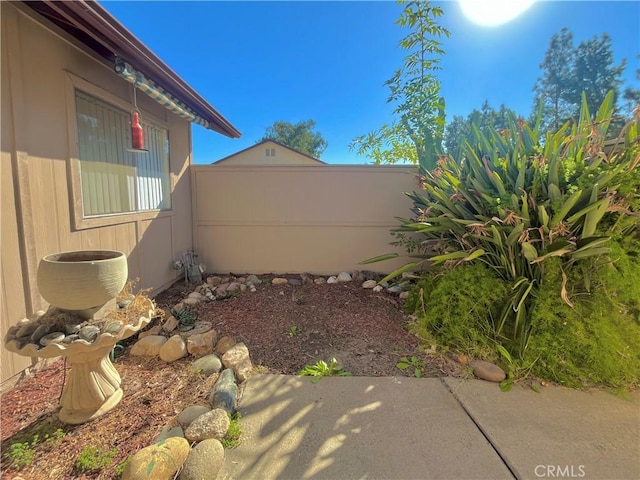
{"x": 411, "y": 428}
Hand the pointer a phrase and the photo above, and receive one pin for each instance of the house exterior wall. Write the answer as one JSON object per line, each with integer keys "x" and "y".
{"x": 291, "y": 219}
{"x": 257, "y": 156}
{"x": 40, "y": 69}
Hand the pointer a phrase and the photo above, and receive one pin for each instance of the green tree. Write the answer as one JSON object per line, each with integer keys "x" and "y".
{"x": 554, "y": 90}
{"x": 460, "y": 130}
{"x": 299, "y": 136}
{"x": 416, "y": 134}
{"x": 595, "y": 72}
{"x": 568, "y": 71}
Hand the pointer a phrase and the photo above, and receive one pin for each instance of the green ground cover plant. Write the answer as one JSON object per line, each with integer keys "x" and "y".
{"x": 525, "y": 232}
{"x": 232, "y": 438}
{"x": 22, "y": 452}
{"x": 323, "y": 369}
{"x": 92, "y": 459}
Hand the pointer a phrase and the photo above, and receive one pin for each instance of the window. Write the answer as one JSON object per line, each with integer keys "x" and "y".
{"x": 271, "y": 152}
{"x": 114, "y": 180}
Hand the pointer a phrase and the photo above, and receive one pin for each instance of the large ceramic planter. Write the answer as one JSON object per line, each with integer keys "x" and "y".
{"x": 82, "y": 281}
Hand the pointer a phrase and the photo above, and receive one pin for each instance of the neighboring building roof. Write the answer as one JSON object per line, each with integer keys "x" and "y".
{"x": 96, "y": 28}
{"x": 262, "y": 143}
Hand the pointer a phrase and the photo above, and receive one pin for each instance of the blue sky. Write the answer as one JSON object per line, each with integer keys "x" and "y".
{"x": 258, "y": 62}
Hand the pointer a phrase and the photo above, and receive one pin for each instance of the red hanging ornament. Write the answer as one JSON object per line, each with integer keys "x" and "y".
{"x": 137, "y": 137}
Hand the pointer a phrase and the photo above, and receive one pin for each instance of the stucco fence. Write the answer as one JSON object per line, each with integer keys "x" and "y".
{"x": 292, "y": 219}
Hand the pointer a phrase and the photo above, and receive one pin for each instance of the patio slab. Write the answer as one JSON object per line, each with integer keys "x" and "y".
{"x": 357, "y": 428}
{"x": 557, "y": 433}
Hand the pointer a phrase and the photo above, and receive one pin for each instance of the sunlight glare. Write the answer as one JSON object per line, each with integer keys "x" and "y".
{"x": 491, "y": 13}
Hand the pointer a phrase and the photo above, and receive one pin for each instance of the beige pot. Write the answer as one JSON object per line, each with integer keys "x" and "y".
{"x": 82, "y": 281}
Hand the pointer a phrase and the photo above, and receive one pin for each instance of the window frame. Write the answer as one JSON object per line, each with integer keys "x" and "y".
{"x": 80, "y": 222}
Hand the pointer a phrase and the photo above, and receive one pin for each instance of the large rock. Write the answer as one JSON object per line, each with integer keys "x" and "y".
{"x": 201, "y": 344}
{"x": 168, "y": 432}
{"x": 225, "y": 392}
{"x": 173, "y": 349}
{"x": 224, "y": 344}
{"x": 160, "y": 461}
{"x": 189, "y": 414}
{"x": 204, "y": 461}
{"x": 148, "y": 346}
{"x": 237, "y": 358}
{"x": 487, "y": 371}
{"x": 209, "y": 364}
{"x": 213, "y": 424}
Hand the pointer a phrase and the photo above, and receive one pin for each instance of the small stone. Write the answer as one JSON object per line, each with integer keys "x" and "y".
{"x": 201, "y": 326}
{"x": 463, "y": 359}
{"x": 233, "y": 287}
{"x": 237, "y": 358}
{"x": 306, "y": 278}
{"x": 155, "y": 330}
{"x": 243, "y": 287}
{"x": 222, "y": 289}
{"x": 71, "y": 338}
{"x": 278, "y": 281}
{"x": 178, "y": 307}
{"x": 295, "y": 282}
{"x": 344, "y": 277}
{"x": 225, "y": 392}
{"x": 189, "y": 414}
{"x": 148, "y": 346}
{"x": 113, "y": 327}
{"x": 378, "y": 288}
{"x": 39, "y": 332}
{"x": 70, "y": 328}
{"x": 394, "y": 289}
{"x": 201, "y": 344}
{"x": 487, "y": 371}
{"x": 253, "y": 280}
{"x": 53, "y": 337}
{"x": 204, "y": 461}
{"x": 190, "y": 302}
{"x": 403, "y": 295}
{"x": 320, "y": 281}
{"x": 241, "y": 280}
{"x": 27, "y": 329}
{"x": 213, "y": 281}
{"x": 163, "y": 459}
{"x": 252, "y": 289}
{"x": 170, "y": 324}
{"x": 89, "y": 333}
{"x": 213, "y": 424}
{"x": 369, "y": 284}
{"x": 332, "y": 279}
{"x": 224, "y": 344}
{"x": 195, "y": 296}
{"x": 209, "y": 364}
{"x": 173, "y": 349}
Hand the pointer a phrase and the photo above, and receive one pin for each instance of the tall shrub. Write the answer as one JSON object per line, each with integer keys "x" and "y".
{"x": 515, "y": 200}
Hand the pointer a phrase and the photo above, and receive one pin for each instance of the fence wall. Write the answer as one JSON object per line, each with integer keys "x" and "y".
{"x": 291, "y": 219}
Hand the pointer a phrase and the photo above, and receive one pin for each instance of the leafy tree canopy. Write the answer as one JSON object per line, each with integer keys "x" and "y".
{"x": 299, "y": 136}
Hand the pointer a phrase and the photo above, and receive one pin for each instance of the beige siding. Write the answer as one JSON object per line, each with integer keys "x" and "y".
{"x": 316, "y": 219}
{"x": 38, "y": 145}
{"x": 257, "y": 155}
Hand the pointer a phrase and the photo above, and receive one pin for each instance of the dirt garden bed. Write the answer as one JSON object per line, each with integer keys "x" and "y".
{"x": 285, "y": 328}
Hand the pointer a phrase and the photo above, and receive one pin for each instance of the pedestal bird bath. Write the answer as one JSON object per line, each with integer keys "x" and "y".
{"x": 80, "y": 328}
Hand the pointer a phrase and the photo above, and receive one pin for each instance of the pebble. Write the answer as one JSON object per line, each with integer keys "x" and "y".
{"x": 26, "y": 330}
{"x": 295, "y": 282}
{"x": 320, "y": 281}
{"x": 278, "y": 281}
{"x": 213, "y": 424}
{"x": 70, "y": 328}
{"x": 71, "y": 338}
{"x": 332, "y": 279}
{"x": 54, "y": 337}
{"x": 378, "y": 288}
{"x": 113, "y": 327}
{"x": 209, "y": 364}
{"x": 369, "y": 284}
{"x": 344, "y": 277}
{"x": 89, "y": 333}
{"x": 394, "y": 289}
{"x": 39, "y": 332}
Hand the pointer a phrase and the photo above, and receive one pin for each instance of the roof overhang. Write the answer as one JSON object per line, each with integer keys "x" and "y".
{"x": 88, "y": 22}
